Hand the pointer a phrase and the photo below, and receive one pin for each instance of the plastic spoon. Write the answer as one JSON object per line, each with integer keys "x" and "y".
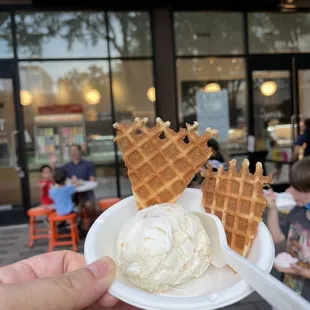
{"x": 272, "y": 290}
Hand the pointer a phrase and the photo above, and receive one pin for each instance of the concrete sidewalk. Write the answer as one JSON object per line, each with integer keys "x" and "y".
{"x": 14, "y": 247}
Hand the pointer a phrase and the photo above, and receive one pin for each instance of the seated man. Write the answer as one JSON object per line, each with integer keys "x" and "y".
{"x": 82, "y": 170}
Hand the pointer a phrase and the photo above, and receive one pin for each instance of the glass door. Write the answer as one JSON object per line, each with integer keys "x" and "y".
{"x": 273, "y": 105}
{"x": 12, "y": 172}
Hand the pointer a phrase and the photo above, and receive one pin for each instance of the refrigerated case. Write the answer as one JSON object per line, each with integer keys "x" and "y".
{"x": 55, "y": 133}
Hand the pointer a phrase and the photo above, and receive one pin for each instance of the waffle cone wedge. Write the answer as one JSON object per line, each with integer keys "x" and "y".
{"x": 237, "y": 199}
{"x": 160, "y": 164}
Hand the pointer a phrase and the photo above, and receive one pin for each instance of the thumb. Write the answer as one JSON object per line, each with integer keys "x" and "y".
{"x": 71, "y": 291}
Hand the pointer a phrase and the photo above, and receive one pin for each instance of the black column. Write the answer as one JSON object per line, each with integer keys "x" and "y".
{"x": 164, "y": 66}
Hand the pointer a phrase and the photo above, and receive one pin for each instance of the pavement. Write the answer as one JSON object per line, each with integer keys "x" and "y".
{"x": 14, "y": 247}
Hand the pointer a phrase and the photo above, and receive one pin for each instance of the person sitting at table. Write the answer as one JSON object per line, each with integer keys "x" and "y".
{"x": 81, "y": 169}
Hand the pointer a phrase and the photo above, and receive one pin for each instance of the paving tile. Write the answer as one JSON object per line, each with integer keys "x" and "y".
{"x": 262, "y": 305}
{"x": 6, "y": 243}
{"x": 240, "y": 307}
{"x": 251, "y": 298}
{"x": 9, "y": 238}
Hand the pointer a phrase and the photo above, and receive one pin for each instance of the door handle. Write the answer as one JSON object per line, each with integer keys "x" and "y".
{"x": 13, "y": 159}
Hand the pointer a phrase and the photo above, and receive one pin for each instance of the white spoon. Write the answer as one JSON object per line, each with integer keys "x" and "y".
{"x": 272, "y": 290}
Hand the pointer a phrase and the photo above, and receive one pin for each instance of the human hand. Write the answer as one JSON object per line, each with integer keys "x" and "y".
{"x": 59, "y": 280}
{"x": 295, "y": 270}
{"x": 271, "y": 199}
{"x": 74, "y": 180}
{"x": 41, "y": 184}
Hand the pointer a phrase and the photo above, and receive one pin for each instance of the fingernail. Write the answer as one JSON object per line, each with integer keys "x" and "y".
{"x": 102, "y": 267}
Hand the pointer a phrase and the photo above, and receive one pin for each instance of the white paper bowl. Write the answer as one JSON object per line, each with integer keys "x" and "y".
{"x": 216, "y": 288}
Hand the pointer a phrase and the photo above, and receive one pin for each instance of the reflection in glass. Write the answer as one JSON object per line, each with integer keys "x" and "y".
{"x": 60, "y": 113}
{"x": 10, "y": 192}
{"x": 131, "y": 82}
{"x": 6, "y": 44}
{"x": 272, "y": 109}
{"x": 203, "y": 33}
{"x": 268, "y": 88}
{"x": 279, "y": 33}
{"x": 228, "y": 73}
{"x": 61, "y": 35}
{"x": 129, "y": 34}
{"x": 304, "y": 92}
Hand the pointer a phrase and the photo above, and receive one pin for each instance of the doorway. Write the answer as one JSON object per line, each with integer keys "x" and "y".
{"x": 281, "y": 92}
{"x": 14, "y": 194}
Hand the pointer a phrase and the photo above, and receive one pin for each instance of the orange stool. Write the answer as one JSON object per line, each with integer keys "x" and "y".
{"x": 54, "y": 218}
{"x": 106, "y": 203}
{"x": 33, "y": 213}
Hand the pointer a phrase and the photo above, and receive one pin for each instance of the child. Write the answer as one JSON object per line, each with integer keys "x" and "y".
{"x": 62, "y": 194}
{"x": 296, "y": 228}
{"x": 45, "y": 184}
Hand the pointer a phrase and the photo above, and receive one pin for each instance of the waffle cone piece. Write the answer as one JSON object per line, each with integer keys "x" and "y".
{"x": 237, "y": 199}
{"x": 160, "y": 168}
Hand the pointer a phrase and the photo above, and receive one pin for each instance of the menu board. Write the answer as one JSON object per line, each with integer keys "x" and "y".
{"x": 213, "y": 112}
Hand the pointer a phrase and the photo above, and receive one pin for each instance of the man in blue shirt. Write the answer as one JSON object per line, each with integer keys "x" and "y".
{"x": 79, "y": 167}
{"x": 82, "y": 170}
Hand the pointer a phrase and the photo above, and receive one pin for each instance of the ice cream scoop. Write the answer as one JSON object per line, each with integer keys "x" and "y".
{"x": 163, "y": 246}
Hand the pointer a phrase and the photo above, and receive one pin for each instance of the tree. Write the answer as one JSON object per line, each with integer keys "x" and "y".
{"x": 129, "y": 33}
{"x": 279, "y": 32}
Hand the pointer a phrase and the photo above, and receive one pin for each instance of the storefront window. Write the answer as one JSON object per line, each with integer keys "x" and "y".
{"x": 6, "y": 44}
{"x": 273, "y": 109}
{"x": 279, "y": 33}
{"x": 304, "y": 92}
{"x": 129, "y": 34}
{"x": 67, "y": 102}
{"x": 205, "y": 33}
{"x": 133, "y": 95}
{"x": 201, "y": 82}
{"x": 61, "y": 35}
{"x": 132, "y": 81}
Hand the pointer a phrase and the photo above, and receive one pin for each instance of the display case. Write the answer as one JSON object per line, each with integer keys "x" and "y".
{"x": 55, "y": 133}
{"x": 101, "y": 148}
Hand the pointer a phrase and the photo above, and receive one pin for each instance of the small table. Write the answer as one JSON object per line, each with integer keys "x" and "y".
{"x": 86, "y": 186}
{"x": 80, "y": 189}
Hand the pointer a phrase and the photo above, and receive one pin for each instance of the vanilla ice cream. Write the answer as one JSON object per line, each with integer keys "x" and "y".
{"x": 163, "y": 246}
